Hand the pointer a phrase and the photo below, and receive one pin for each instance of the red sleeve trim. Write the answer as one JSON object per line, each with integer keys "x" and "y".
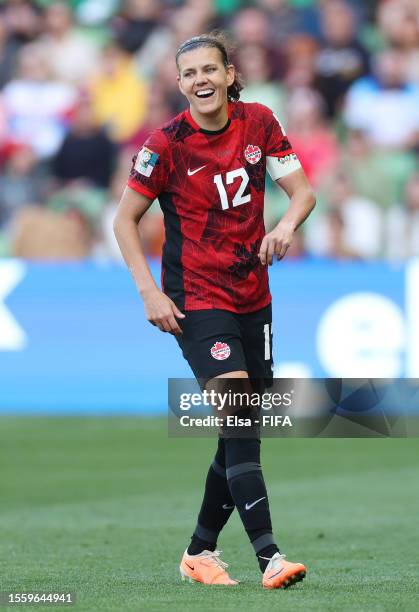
{"x": 281, "y": 154}
{"x": 141, "y": 189}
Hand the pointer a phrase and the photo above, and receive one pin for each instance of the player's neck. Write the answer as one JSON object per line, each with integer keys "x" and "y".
{"x": 211, "y": 122}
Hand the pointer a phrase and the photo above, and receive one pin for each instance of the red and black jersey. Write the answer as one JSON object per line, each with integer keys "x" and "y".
{"x": 211, "y": 188}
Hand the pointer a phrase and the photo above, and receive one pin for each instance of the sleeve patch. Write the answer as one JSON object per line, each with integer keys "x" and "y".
{"x": 146, "y": 161}
{"x": 278, "y": 167}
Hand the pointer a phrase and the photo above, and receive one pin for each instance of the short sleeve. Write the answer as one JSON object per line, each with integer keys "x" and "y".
{"x": 280, "y": 157}
{"x": 151, "y": 166}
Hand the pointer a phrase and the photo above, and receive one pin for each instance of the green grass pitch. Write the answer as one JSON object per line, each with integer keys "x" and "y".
{"x": 104, "y": 507}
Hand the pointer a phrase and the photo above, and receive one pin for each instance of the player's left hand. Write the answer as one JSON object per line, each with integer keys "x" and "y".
{"x": 276, "y": 242}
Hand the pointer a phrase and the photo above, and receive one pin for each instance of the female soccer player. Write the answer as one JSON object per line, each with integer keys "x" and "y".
{"x": 207, "y": 167}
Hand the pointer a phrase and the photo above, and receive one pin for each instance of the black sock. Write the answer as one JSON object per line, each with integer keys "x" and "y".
{"x": 248, "y": 490}
{"x": 216, "y": 507}
{"x": 197, "y": 546}
{"x": 265, "y": 555}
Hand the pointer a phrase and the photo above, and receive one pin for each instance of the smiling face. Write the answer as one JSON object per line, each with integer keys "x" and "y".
{"x": 204, "y": 80}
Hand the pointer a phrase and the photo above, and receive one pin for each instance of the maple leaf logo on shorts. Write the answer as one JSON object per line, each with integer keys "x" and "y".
{"x": 220, "y": 351}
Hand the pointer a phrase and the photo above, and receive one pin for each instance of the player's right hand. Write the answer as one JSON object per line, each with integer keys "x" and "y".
{"x": 162, "y": 311}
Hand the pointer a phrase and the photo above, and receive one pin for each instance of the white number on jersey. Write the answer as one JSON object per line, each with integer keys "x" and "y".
{"x": 267, "y": 333}
{"x": 231, "y": 176}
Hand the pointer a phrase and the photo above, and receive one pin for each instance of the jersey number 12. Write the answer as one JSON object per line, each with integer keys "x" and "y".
{"x": 231, "y": 176}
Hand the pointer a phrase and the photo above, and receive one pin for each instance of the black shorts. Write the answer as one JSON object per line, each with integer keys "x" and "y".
{"x": 215, "y": 342}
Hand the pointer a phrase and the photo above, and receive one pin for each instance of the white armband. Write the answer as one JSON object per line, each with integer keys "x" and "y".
{"x": 278, "y": 167}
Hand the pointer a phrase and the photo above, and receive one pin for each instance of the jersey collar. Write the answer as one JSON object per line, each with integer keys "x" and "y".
{"x": 194, "y": 124}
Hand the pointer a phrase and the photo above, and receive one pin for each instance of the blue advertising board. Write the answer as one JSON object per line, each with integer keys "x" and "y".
{"x": 74, "y": 339}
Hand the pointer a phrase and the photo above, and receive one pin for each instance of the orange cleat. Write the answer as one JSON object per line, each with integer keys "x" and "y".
{"x": 281, "y": 574}
{"x": 206, "y": 567}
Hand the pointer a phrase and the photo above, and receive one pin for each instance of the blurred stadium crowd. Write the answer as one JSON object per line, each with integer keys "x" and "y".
{"x": 83, "y": 82}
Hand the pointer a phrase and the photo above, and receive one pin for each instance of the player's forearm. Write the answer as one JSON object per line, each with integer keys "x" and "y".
{"x": 301, "y": 204}
{"x": 126, "y": 233}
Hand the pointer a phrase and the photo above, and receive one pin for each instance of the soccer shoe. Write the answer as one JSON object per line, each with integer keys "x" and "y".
{"x": 281, "y": 574}
{"x": 206, "y": 567}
